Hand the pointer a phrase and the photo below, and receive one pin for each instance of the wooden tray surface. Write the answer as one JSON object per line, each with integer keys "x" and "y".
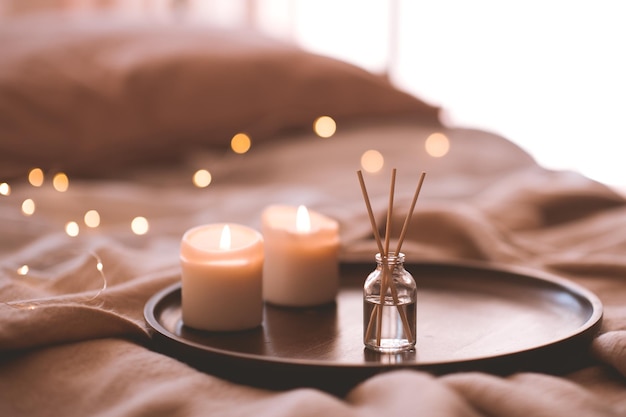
{"x": 470, "y": 317}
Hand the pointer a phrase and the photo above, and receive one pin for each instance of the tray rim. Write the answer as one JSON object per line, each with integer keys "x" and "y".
{"x": 591, "y": 325}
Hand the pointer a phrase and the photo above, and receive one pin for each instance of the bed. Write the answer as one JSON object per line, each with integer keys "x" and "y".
{"x": 130, "y": 111}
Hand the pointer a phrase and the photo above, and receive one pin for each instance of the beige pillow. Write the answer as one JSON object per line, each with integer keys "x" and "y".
{"x": 91, "y": 95}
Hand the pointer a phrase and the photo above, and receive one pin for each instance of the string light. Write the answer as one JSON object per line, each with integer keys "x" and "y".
{"x": 437, "y": 145}
{"x": 35, "y": 303}
{"x": 325, "y": 126}
{"x": 5, "y": 189}
{"x": 72, "y": 229}
{"x": 92, "y": 219}
{"x": 202, "y": 178}
{"x": 28, "y": 207}
{"x": 372, "y": 161}
{"x": 240, "y": 143}
{"x": 60, "y": 182}
{"x": 140, "y": 225}
{"x": 35, "y": 177}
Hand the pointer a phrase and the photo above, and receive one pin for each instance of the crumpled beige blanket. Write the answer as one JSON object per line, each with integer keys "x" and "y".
{"x": 71, "y": 348}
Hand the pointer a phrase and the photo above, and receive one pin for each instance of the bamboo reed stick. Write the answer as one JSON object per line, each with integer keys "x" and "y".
{"x": 392, "y": 191}
{"x": 407, "y": 220}
{"x": 370, "y": 213}
{"x": 386, "y": 271}
{"x": 381, "y": 250}
{"x": 405, "y": 226}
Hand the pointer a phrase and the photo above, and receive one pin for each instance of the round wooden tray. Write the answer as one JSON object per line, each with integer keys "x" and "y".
{"x": 470, "y": 317}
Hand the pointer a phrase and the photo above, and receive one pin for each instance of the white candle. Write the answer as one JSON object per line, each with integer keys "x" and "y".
{"x": 222, "y": 270}
{"x": 301, "y": 252}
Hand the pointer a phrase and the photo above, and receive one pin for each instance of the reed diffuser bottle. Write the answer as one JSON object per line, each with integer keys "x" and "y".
{"x": 389, "y": 306}
{"x": 389, "y": 292}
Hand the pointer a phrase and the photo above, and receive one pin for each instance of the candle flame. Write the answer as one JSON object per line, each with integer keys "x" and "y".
{"x": 303, "y": 220}
{"x": 225, "y": 238}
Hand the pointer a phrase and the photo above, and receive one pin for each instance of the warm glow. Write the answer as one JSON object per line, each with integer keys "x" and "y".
{"x": 303, "y": 220}
{"x": 225, "y": 238}
{"x": 23, "y": 270}
{"x": 5, "y": 189}
{"x": 324, "y": 126}
{"x": 372, "y": 161}
{"x": 202, "y": 178}
{"x": 72, "y": 229}
{"x": 240, "y": 143}
{"x": 60, "y": 182}
{"x": 28, "y": 207}
{"x": 437, "y": 145}
{"x": 35, "y": 177}
{"x": 139, "y": 225}
{"x": 92, "y": 219}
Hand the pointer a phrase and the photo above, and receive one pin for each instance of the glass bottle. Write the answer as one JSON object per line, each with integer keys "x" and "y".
{"x": 389, "y": 311}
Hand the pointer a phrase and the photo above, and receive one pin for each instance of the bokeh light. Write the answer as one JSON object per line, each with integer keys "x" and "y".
{"x": 372, "y": 161}
{"x": 72, "y": 229}
{"x": 140, "y": 225}
{"x": 5, "y": 189}
{"x": 240, "y": 143}
{"x": 35, "y": 177}
{"x": 92, "y": 219}
{"x": 437, "y": 145}
{"x": 28, "y": 207}
{"x": 325, "y": 126}
{"x": 61, "y": 182}
{"x": 202, "y": 178}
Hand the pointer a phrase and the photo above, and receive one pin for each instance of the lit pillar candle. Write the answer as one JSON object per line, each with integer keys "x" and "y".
{"x": 301, "y": 251}
{"x": 222, "y": 270}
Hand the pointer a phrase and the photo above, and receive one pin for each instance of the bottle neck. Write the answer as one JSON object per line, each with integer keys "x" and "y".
{"x": 391, "y": 259}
